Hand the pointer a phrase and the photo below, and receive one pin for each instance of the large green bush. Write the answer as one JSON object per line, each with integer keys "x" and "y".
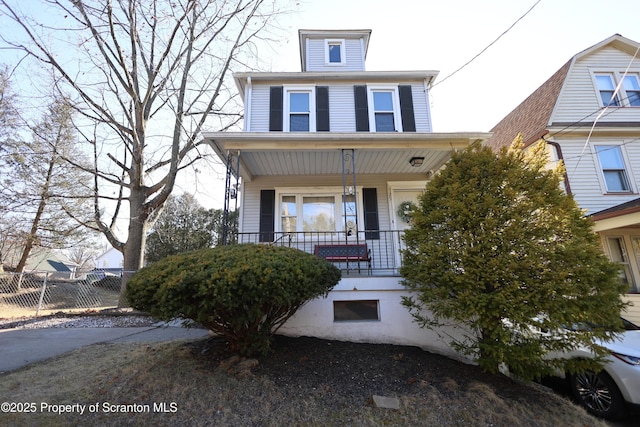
{"x": 244, "y": 293}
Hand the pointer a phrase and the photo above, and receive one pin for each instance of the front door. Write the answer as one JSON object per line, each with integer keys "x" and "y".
{"x": 402, "y": 194}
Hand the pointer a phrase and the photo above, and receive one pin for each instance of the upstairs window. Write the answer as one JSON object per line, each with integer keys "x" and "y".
{"x": 607, "y": 87}
{"x": 613, "y": 168}
{"x": 384, "y": 111}
{"x": 334, "y": 52}
{"x": 628, "y": 94}
{"x": 632, "y": 89}
{"x": 299, "y": 110}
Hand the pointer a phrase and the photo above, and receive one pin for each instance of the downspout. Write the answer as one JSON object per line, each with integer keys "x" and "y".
{"x": 560, "y": 158}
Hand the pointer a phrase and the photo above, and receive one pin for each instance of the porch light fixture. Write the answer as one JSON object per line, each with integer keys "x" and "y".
{"x": 416, "y": 161}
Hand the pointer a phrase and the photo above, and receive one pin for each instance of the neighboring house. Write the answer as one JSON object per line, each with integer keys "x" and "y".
{"x": 328, "y": 158}
{"x": 47, "y": 261}
{"x": 112, "y": 262}
{"x": 42, "y": 260}
{"x": 588, "y": 112}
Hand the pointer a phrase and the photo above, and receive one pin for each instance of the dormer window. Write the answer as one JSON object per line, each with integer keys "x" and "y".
{"x": 334, "y": 52}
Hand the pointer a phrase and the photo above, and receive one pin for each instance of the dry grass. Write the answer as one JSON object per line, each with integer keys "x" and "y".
{"x": 285, "y": 389}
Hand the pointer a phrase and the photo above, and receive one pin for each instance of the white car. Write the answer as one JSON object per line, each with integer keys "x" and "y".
{"x": 611, "y": 392}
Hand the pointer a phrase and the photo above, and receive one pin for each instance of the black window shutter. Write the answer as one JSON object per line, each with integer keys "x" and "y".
{"x": 275, "y": 109}
{"x": 267, "y": 214}
{"x": 362, "y": 109}
{"x": 370, "y": 203}
{"x": 406, "y": 109}
{"x": 322, "y": 109}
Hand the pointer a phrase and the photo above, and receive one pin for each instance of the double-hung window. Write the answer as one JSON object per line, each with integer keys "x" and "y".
{"x": 631, "y": 87}
{"x": 334, "y": 53}
{"x": 628, "y": 94}
{"x": 618, "y": 254}
{"x": 613, "y": 168}
{"x": 299, "y": 108}
{"x": 384, "y": 110}
{"x": 607, "y": 86}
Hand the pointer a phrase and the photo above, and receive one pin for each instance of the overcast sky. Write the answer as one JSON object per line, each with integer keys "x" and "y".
{"x": 444, "y": 35}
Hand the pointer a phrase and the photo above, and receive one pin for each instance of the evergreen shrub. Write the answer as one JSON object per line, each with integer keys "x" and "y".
{"x": 243, "y": 293}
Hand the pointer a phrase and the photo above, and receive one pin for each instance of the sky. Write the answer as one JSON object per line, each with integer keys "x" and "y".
{"x": 444, "y": 35}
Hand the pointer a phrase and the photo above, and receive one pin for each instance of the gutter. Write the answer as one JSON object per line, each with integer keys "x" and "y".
{"x": 555, "y": 145}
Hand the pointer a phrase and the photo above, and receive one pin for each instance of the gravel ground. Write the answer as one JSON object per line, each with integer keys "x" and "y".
{"x": 117, "y": 318}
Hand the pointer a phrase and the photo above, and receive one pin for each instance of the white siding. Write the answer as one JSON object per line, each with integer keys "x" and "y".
{"x": 251, "y": 197}
{"x": 259, "y": 109}
{"x": 341, "y": 107}
{"x": 579, "y": 98}
{"x": 342, "y": 116}
{"x": 421, "y": 109}
{"x": 584, "y": 172}
{"x": 316, "y": 56}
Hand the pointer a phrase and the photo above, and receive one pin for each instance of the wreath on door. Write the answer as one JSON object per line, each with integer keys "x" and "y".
{"x": 405, "y": 209}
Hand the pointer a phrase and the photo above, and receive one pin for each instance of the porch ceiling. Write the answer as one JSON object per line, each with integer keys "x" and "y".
{"x": 283, "y": 154}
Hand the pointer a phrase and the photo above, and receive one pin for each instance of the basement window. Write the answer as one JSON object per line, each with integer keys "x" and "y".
{"x": 357, "y": 310}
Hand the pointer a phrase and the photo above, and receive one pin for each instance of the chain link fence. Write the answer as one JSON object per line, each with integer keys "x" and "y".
{"x": 41, "y": 293}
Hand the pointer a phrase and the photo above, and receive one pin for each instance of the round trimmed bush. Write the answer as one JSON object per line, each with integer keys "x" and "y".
{"x": 244, "y": 292}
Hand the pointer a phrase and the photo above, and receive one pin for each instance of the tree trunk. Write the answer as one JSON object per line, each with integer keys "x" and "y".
{"x": 134, "y": 247}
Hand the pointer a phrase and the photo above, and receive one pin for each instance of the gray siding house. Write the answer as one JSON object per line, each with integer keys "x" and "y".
{"x": 328, "y": 159}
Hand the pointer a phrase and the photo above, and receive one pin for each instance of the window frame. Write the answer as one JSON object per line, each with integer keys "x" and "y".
{"x": 395, "y": 98}
{"x": 625, "y": 171}
{"x": 327, "y": 57}
{"x": 336, "y": 192}
{"x": 617, "y": 78}
{"x": 286, "y": 107}
{"x": 636, "y": 91}
{"x": 626, "y": 273}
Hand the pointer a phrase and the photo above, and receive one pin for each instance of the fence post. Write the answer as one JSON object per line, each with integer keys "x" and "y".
{"x": 44, "y": 287}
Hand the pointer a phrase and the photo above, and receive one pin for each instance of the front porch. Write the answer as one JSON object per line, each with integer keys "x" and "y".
{"x": 383, "y": 248}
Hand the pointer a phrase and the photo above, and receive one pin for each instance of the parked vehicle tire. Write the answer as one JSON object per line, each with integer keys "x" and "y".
{"x": 598, "y": 394}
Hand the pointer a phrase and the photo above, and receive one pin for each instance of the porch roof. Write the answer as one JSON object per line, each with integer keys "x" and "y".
{"x": 623, "y": 215}
{"x": 319, "y": 153}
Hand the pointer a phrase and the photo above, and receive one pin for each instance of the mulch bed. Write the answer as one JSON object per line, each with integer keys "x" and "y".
{"x": 361, "y": 370}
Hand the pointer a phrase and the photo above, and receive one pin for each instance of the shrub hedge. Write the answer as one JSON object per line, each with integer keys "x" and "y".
{"x": 244, "y": 292}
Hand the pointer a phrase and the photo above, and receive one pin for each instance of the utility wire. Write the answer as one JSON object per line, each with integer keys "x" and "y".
{"x": 489, "y": 45}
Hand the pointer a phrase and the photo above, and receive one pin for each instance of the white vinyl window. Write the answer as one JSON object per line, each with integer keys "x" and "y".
{"x": 628, "y": 94}
{"x": 334, "y": 53}
{"x": 607, "y": 86}
{"x": 318, "y": 210}
{"x": 300, "y": 109}
{"x": 613, "y": 168}
{"x": 631, "y": 86}
{"x": 618, "y": 254}
{"x": 384, "y": 109}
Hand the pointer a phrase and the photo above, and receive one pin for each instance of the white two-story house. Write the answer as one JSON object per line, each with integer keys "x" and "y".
{"x": 588, "y": 112}
{"x": 328, "y": 160}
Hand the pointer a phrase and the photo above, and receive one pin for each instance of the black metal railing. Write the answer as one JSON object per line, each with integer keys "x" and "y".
{"x": 384, "y": 247}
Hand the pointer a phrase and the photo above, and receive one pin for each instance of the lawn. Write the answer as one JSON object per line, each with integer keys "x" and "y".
{"x": 305, "y": 382}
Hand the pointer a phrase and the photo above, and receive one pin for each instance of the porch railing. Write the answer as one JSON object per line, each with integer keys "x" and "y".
{"x": 385, "y": 247}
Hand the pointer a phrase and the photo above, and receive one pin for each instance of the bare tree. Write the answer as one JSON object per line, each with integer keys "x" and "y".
{"x": 148, "y": 75}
